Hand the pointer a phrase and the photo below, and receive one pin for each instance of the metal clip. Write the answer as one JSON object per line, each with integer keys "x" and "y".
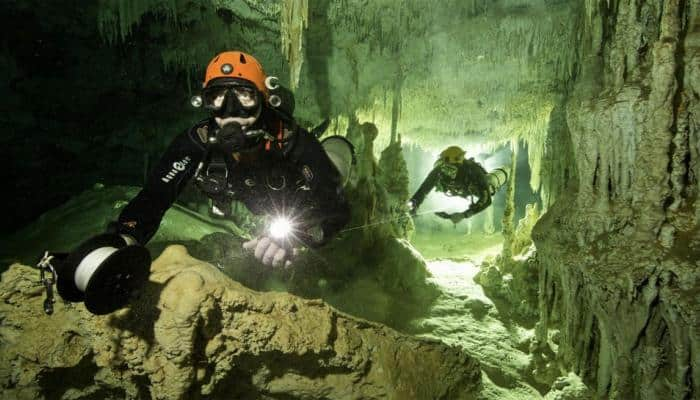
{"x": 45, "y": 267}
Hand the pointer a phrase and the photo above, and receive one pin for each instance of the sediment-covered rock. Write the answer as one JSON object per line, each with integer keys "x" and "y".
{"x": 193, "y": 333}
{"x": 629, "y": 316}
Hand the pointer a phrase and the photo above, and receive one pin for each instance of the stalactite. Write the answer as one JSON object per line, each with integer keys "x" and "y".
{"x": 535, "y": 136}
{"x": 294, "y": 18}
{"x": 558, "y": 166}
{"x": 653, "y": 185}
{"x": 116, "y": 19}
{"x": 531, "y": 46}
{"x": 680, "y": 153}
{"x": 694, "y": 161}
{"x": 187, "y": 25}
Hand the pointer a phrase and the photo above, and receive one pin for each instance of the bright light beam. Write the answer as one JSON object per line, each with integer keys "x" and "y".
{"x": 280, "y": 228}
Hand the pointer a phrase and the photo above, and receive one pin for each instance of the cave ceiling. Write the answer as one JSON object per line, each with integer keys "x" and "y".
{"x": 466, "y": 71}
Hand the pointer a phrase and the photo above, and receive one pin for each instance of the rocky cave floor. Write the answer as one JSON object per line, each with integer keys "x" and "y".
{"x": 460, "y": 315}
{"x": 464, "y": 316}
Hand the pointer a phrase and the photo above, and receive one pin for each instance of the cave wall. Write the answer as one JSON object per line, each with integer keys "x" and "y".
{"x": 619, "y": 247}
{"x": 96, "y": 89}
{"x": 77, "y": 110}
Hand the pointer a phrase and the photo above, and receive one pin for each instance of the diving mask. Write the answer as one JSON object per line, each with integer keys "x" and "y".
{"x": 448, "y": 170}
{"x": 232, "y": 99}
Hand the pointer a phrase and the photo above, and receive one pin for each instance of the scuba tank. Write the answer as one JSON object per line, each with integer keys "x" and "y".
{"x": 341, "y": 153}
{"x": 496, "y": 179}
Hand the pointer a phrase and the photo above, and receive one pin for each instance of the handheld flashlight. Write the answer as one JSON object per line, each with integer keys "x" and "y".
{"x": 280, "y": 228}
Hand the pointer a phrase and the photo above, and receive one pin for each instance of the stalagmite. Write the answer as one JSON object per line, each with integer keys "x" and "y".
{"x": 509, "y": 212}
{"x": 489, "y": 226}
{"x": 396, "y": 105}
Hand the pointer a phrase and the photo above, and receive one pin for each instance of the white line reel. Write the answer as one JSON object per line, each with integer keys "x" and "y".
{"x": 103, "y": 272}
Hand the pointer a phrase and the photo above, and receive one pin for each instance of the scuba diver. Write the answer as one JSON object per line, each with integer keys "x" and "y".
{"x": 455, "y": 175}
{"x": 250, "y": 150}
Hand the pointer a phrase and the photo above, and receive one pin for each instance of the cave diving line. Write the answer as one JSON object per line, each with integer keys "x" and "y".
{"x": 326, "y": 262}
{"x": 385, "y": 221}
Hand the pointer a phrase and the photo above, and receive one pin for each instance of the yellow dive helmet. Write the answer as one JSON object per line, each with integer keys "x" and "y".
{"x": 452, "y": 155}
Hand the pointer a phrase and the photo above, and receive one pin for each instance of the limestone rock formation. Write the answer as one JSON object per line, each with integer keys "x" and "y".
{"x": 511, "y": 284}
{"x": 193, "y": 333}
{"x": 619, "y": 248}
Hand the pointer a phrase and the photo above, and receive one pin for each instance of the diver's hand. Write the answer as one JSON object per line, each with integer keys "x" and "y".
{"x": 270, "y": 253}
{"x": 230, "y": 137}
{"x": 443, "y": 214}
{"x": 454, "y": 217}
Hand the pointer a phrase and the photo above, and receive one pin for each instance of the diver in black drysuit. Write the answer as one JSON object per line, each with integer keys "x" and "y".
{"x": 292, "y": 175}
{"x": 455, "y": 175}
{"x": 250, "y": 150}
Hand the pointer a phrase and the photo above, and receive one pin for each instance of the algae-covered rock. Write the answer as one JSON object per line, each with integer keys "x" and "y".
{"x": 194, "y": 333}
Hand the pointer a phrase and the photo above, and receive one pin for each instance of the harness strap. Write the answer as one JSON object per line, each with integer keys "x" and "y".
{"x": 280, "y": 136}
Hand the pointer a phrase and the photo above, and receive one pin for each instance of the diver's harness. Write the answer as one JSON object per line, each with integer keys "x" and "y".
{"x": 211, "y": 175}
{"x": 454, "y": 187}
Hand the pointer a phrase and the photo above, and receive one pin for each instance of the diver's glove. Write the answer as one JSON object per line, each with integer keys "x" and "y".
{"x": 454, "y": 217}
{"x": 279, "y": 250}
{"x": 270, "y": 252}
{"x": 230, "y": 138}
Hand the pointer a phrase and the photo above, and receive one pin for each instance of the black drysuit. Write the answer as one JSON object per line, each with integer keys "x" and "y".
{"x": 288, "y": 174}
{"x": 470, "y": 180}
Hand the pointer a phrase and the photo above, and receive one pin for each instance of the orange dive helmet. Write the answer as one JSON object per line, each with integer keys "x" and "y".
{"x": 236, "y": 64}
{"x": 452, "y": 155}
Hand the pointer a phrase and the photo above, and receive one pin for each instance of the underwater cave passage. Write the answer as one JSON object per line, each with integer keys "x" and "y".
{"x": 329, "y": 182}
